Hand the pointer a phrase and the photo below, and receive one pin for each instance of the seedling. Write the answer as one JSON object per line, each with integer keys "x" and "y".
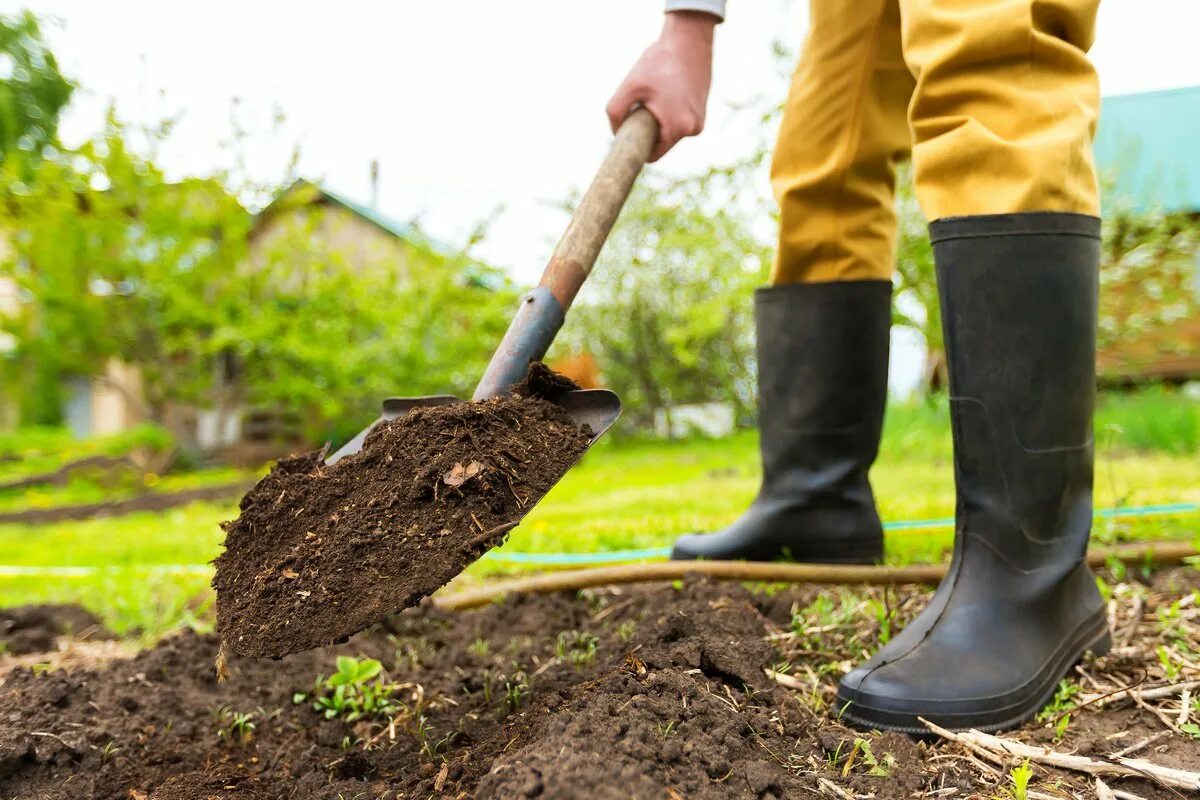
{"x": 515, "y": 691}
{"x": 1170, "y": 668}
{"x": 480, "y": 647}
{"x": 579, "y": 647}
{"x": 431, "y": 746}
{"x": 1062, "y": 704}
{"x": 874, "y": 766}
{"x": 234, "y": 726}
{"x": 1020, "y": 777}
{"x": 625, "y": 630}
{"x": 108, "y": 752}
{"x": 356, "y": 691}
{"x": 667, "y": 729}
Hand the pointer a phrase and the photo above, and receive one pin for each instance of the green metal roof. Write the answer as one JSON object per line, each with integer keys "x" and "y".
{"x": 407, "y": 232}
{"x": 1148, "y": 150}
{"x": 304, "y": 191}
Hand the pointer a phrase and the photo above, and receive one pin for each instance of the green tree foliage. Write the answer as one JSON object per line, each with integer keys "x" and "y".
{"x": 1149, "y": 287}
{"x": 316, "y": 332}
{"x": 33, "y": 91}
{"x": 668, "y": 311}
{"x": 116, "y": 263}
{"x": 916, "y": 298}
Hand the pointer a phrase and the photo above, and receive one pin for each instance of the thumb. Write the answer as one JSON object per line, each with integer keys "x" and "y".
{"x": 627, "y": 96}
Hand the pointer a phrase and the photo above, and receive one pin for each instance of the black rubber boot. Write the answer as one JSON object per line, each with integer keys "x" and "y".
{"x": 1019, "y": 605}
{"x": 822, "y": 377}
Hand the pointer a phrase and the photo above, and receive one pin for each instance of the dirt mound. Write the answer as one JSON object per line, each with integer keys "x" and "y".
{"x": 320, "y": 551}
{"x": 624, "y": 692}
{"x": 35, "y": 628}
{"x": 198, "y": 786}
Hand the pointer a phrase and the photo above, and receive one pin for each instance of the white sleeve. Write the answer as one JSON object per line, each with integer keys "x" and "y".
{"x": 714, "y": 7}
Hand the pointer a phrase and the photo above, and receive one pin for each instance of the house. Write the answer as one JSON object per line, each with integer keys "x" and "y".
{"x": 1149, "y": 163}
{"x": 110, "y": 401}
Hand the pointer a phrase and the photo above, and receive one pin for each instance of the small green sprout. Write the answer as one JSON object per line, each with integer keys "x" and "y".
{"x": 516, "y": 689}
{"x": 234, "y": 726}
{"x": 356, "y": 691}
{"x": 578, "y": 647}
{"x": 1020, "y": 777}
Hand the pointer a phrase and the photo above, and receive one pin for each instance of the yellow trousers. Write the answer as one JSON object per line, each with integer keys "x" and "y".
{"x": 994, "y": 100}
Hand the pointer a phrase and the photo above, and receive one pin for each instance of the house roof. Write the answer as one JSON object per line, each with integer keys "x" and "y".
{"x": 304, "y": 191}
{"x": 1146, "y": 150}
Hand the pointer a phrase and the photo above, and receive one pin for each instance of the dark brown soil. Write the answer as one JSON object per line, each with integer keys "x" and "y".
{"x": 34, "y": 629}
{"x": 150, "y": 501}
{"x": 653, "y": 692}
{"x": 320, "y": 551}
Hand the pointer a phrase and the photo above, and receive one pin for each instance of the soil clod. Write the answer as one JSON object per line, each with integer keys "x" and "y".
{"x": 322, "y": 551}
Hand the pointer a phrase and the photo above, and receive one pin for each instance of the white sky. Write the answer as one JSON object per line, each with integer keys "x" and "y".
{"x": 469, "y": 105}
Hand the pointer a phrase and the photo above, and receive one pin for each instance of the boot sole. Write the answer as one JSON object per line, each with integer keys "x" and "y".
{"x": 1096, "y": 639}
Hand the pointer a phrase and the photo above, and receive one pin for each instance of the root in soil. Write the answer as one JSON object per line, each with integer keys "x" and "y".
{"x": 320, "y": 552}
{"x": 697, "y": 690}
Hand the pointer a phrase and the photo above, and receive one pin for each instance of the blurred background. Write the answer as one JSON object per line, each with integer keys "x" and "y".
{"x": 226, "y": 234}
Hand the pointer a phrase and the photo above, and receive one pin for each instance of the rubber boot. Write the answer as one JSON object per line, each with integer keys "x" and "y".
{"x": 822, "y": 376}
{"x": 1019, "y": 606}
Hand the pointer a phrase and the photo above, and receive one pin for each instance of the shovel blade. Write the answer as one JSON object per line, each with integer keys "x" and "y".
{"x": 596, "y": 408}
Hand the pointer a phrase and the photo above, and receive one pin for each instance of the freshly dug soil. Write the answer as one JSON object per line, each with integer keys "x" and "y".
{"x": 320, "y": 551}
{"x": 653, "y": 692}
{"x": 35, "y": 628}
{"x": 149, "y": 501}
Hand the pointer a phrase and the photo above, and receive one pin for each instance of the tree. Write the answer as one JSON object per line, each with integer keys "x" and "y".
{"x": 314, "y": 332}
{"x": 33, "y": 92}
{"x": 916, "y": 304}
{"x": 668, "y": 310}
{"x": 117, "y": 263}
{"x": 1149, "y": 285}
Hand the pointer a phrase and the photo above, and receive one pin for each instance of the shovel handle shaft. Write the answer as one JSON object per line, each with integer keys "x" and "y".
{"x": 580, "y": 245}
{"x": 543, "y": 310}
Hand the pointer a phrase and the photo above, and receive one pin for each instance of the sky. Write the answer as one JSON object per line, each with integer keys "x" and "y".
{"x": 473, "y": 108}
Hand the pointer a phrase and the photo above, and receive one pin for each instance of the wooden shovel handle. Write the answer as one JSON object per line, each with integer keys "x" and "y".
{"x": 577, "y": 250}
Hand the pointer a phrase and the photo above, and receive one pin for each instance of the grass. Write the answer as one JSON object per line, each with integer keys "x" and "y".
{"x": 29, "y": 451}
{"x": 85, "y": 489}
{"x": 624, "y": 495}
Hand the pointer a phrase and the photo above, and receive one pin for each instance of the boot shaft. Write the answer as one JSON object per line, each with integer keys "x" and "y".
{"x": 1019, "y": 296}
{"x": 822, "y": 377}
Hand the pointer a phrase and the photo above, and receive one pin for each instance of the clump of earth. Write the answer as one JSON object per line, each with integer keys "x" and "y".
{"x": 321, "y": 551}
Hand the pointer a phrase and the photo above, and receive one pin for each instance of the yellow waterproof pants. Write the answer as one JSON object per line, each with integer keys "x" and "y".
{"x": 995, "y": 101}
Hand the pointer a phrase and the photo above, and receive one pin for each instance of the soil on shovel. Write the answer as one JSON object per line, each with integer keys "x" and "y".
{"x": 696, "y": 690}
{"x": 320, "y": 552}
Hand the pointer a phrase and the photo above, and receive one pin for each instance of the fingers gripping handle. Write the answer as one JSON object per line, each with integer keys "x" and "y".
{"x": 543, "y": 310}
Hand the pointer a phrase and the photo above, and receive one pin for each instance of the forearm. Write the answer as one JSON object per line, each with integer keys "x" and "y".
{"x": 714, "y": 7}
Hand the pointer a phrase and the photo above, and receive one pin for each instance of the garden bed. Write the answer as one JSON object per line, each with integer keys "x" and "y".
{"x": 693, "y": 689}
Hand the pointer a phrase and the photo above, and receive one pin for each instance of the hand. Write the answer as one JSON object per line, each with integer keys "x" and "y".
{"x": 671, "y": 79}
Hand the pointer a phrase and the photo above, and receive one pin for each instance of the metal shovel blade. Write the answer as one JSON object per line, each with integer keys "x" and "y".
{"x": 596, "y": 408}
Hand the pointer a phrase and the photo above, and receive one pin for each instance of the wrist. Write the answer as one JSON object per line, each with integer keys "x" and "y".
{"x": 691, "y": 25}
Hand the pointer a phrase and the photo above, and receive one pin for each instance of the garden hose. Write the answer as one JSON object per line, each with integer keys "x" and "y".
{"x": 573, "y": 580}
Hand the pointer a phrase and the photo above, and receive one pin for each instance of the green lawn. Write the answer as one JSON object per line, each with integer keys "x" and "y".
{"x": 624, "y": 495}
{"x": 86, "y": 490}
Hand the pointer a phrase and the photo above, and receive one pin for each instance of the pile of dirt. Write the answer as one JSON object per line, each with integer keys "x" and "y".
{"x": 657, "y": 691}
{"x": 319, "y": 552}
{"x": 35, "y": 628}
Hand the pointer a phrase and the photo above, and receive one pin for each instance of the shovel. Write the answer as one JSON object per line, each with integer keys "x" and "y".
{"x": 543, "y": 310}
